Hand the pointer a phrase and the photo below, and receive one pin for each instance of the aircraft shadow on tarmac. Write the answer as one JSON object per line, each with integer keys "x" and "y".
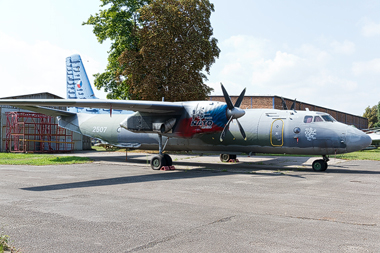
{"x": 273, "y": 163}
{"x": 202, "y": 170}
{"x": 180, "y": 174}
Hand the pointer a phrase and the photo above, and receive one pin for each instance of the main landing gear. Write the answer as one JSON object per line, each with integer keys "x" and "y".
{"x": 321, "y": 165}
{"x": 228, "y": 158}
{"x": 161, "y": 161}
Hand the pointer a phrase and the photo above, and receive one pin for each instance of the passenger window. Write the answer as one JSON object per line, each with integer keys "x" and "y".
{"x": 318, "y": 119}
{"x": 308, "y": 119}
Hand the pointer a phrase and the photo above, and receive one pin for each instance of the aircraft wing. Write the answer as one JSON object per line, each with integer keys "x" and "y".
{"x": 131, "y": 105}
{"x": 46, "y": 111}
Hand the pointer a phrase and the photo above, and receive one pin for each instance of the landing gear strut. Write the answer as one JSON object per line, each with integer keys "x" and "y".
{"x": 321, "y": 165}
{"x": 160, "y": 160}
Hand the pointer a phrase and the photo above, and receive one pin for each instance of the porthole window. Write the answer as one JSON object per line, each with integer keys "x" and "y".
{"x": 297, "y": 130}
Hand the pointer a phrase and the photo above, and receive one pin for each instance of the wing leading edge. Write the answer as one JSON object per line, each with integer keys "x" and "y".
{"x": 131, "y": 105}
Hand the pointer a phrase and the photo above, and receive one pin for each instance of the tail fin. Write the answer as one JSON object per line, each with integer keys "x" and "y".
{"x": 77, "y": 83}
{"x": 78, "y": 87}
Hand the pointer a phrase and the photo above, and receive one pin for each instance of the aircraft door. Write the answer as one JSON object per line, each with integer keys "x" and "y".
{"x": 277, "y": 133}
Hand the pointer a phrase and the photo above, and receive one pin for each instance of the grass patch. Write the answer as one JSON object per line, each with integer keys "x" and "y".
{"x": 373, "y": 155}
{"x": 39, "y": 159}
{"x": 108, "y": 148}
{"x": 5, "y": 244}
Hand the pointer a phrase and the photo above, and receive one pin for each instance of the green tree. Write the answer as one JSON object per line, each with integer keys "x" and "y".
{"x": 377, "y": 124}
{"x": 371, "y": 113}
{"x": 174, "y": 47}
{"x": 116, "y": 22}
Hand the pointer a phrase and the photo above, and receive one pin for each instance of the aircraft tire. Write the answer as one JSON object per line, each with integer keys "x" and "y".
{"x": 319, "y": 165}
{"x": 226, "y": 157}
{"x": 168, "y": 160}
{"x": 157, "y": 162}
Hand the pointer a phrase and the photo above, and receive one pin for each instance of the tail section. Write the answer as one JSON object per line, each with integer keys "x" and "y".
{"x": 78, "y": 86}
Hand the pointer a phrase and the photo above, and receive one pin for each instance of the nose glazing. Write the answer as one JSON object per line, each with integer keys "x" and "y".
{"x": 356, "y": 139}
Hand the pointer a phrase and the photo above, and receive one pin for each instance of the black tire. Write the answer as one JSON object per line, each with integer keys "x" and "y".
{"x": 157, "y": 162}
{"x": 319, "y": 165}
{"x": 225, "y": 157}
{"x": 168, "y": 160}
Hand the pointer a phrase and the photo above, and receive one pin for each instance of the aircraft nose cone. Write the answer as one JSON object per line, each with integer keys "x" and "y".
{"x": 357, "y": 140}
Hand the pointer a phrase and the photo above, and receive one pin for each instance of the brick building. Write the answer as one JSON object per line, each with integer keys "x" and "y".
{"x": 275, "y": 102}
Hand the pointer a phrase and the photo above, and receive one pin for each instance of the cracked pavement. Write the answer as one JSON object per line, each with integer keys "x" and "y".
{"x": 262, "y": 204}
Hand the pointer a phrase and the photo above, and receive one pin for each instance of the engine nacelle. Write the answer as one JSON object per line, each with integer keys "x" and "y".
{"x": 143, "y": 123}
{"x": 164, "y": 127}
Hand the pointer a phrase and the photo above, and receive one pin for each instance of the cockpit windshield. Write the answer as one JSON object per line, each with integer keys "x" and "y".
{"x": 308, "y": 119}
{"x": 328, "y": 118}
{"x": 320, "y": 118}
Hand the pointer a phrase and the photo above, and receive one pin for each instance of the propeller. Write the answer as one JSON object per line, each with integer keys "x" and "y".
{"x": 233, "y": 112}
{"x": 284, "y": 106}
{"x": 293, "y": 107}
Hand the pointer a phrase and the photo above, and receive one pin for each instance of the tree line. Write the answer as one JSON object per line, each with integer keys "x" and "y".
{"x": 159, "y": 48}
{"x": 373, "y": 115}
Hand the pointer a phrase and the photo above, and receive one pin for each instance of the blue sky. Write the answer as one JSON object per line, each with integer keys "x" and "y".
{"x": 321, "y": 52}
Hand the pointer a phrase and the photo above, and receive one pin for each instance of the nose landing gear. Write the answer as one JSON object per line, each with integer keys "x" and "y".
{"x": 321, "y": 164}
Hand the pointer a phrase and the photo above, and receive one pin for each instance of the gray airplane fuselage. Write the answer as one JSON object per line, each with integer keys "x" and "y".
{"x": 267, "y": 130}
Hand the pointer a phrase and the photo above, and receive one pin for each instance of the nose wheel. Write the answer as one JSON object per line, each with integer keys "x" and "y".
{"x": 321, "y": 164}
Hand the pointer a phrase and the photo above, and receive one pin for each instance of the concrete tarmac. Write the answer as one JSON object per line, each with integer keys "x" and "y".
{"x": 262, "y": 204}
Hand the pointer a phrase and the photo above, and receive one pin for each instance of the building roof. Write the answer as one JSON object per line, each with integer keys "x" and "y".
{"x": 35, "y": 96}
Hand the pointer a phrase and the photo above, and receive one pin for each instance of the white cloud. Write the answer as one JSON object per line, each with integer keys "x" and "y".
{"x": 307, "y": 72}
{"x": 370, "y": 28}
{"x": 371, "y": 67}
{"x": 32, "y": 68}
{"x": 345, "y": 47}
{"x": 273, "y": 70}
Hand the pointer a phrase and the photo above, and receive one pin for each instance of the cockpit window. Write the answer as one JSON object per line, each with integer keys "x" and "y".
{"x": 328, "y": 118}
{"x": 308, "y": 119}
{"x": 318, "y": 119}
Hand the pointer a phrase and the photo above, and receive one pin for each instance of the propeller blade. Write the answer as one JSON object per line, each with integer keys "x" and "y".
{"x": 241, "y": 130}
{"x": 223, "y": 134}
{"x": 293, "y": 105}
{"x": 227, "y": 98}
{"x": 240, "y": 99}
{"x": 284, "y": 106}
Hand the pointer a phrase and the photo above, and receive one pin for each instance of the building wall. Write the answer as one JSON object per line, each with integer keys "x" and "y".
{"x": 80, "y": 142}
{"x": 275, "y": 102}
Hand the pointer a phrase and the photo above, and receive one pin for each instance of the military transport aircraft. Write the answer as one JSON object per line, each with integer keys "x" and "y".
{"x": 205, "y": 126}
